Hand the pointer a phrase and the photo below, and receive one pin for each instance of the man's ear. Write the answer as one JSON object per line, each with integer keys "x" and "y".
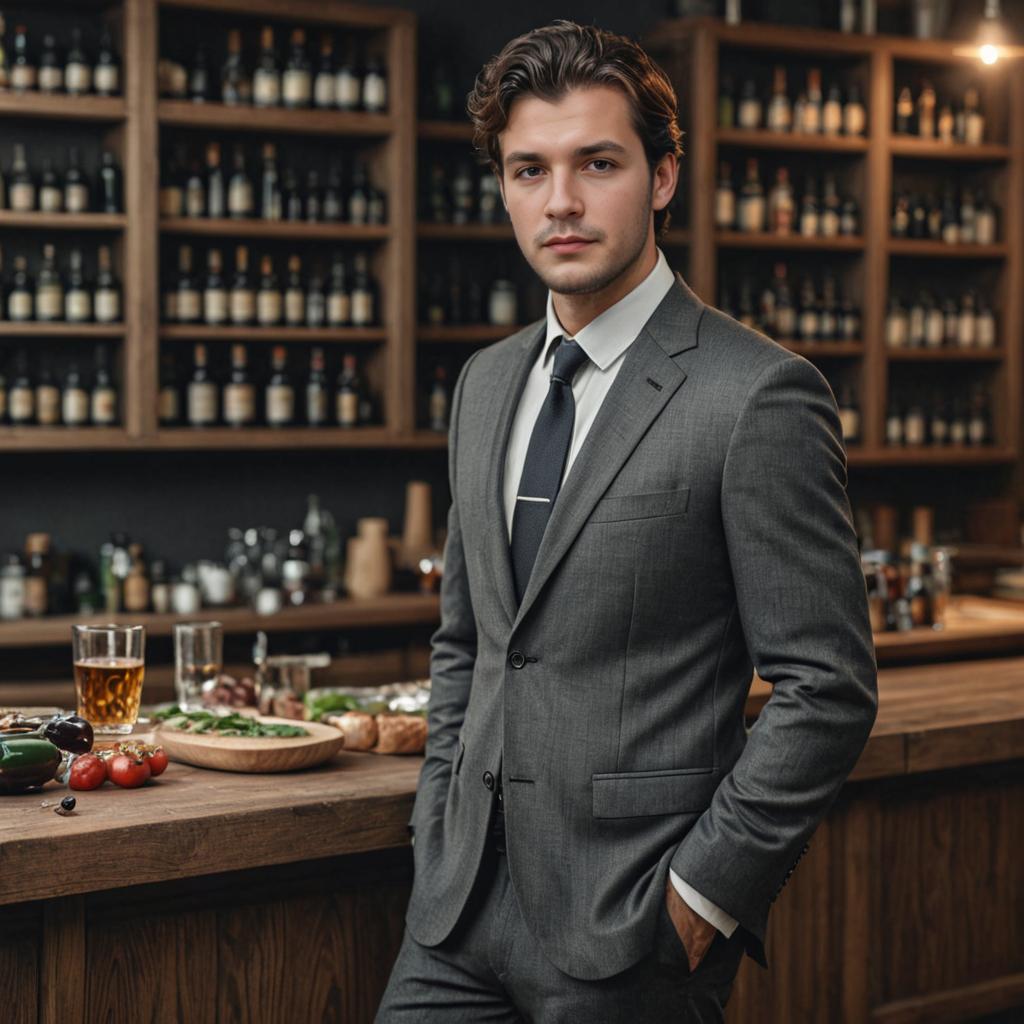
{"x": 665, "y": 179}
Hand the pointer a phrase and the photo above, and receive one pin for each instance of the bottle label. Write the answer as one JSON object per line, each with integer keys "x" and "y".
{"x": 240, "y": 199}
{"x": 78, "y": 78}
{"x": 268, "y": 307}
{"x": 358, "y": 209}
{"x": 188, "y": 305}
{"x": 830, "y": 224}
{"x": 78, "y": 306}
{"x": 51, "y": 79}
{"x": 316, "y": 404}
{"x": 985, "y": 331}
{"x": 202, "y": 403}
{"x": 49, "y": 302}
{"x": 296, "y": 88}
{"x": 168, "y": 404}
{"x": 215, "y": 305}
{"x": 76, "y": 198}
{"x": 750, "y": 114}
{"x": 23, "y": 405}
{"x": 107, "y": 79}
{"x": 348, "y": 89}
{"x": 375, "y": 93}
{"x": 362, "y": 308}
{"x": 339, "y": 309}
{"x": 752, "y": 214}
{"x": 324, "y": 94}
{"x": 502, "y": 308}
{"x": 808, "y": 224}
{"x": 23, "y": 197}
{"x": 35, "y": 595}
{"x": 50, "y": 199}
{"x": 239, "y": 403}
{"x": 19, "y": 306}
{"x": 23, "y": 76}
{"x": 195, "y": 202}
{"x": 315, "y": 309}
{"x": 849, "y": 420}
{"x": 294, "y": 307}
{"x": 348, "y": 408}
{"x": 976, "y": 430}
{"x": 438, "y": 407}
{"x": 172, "y": 201}
{"x": 75, "y": 407}
{"x": 725, "y": 208}
{"x": 266, "y": 88}
{"x": 104, "y": 406}
{"x": 280, "y": 404}
{"x": 108, "y": 305}
{"x": 243, "y": 303}
{"x": 832, "y": 119}
{"x": 48, "y": 406}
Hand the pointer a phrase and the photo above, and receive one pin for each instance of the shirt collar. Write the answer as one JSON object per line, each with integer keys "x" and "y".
{"x": 607, "y": 336}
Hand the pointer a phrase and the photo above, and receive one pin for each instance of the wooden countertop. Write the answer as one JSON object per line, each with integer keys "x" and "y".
{"x": 194, "y": 822}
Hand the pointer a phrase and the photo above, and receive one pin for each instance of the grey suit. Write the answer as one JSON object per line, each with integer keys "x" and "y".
{"x": 703, "y": 529}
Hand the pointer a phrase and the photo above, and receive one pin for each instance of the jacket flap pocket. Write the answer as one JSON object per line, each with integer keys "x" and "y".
{"x": 634, "y": 794}
{"x": 641, "y": 506}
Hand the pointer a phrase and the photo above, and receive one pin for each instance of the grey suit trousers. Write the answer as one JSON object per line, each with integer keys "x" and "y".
{"x": 490, "y": 968}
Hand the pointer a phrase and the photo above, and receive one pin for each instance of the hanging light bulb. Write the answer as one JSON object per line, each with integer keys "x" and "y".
{"x": 992, "y": 43}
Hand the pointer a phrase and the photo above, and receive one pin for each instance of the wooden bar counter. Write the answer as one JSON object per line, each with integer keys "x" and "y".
{"x": 217, "y": 897}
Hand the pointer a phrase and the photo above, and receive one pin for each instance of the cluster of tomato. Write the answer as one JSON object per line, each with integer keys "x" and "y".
{"x": 128, "y": 765}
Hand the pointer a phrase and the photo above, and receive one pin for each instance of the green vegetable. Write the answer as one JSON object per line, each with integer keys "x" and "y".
{"x": 224, "y": 725}
{"x": 320, "y": 704}
{"x": 26, "y": 762}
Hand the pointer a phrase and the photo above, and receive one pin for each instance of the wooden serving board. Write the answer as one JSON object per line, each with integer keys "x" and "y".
{"x": 253, "y": 754}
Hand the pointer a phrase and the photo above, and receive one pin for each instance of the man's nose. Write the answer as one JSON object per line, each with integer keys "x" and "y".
{"x": 564, "y": 201}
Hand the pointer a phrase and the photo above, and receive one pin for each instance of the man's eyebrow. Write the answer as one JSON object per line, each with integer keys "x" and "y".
{"x": 604, "y": 146}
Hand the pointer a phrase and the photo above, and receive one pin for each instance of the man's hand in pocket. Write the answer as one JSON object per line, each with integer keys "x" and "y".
{"x": 694, "y": 932}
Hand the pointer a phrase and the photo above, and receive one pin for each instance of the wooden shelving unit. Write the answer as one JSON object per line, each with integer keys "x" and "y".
{"x": 311, "y": 335}
{"x": 694, "y": 51}
{"x": 62, "y": 107}
{"x": 224, "y": 117}
{"x": 63, "y": 221}
{"x": 223, "y": 227}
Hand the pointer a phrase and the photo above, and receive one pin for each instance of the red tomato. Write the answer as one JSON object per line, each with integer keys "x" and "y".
{"x": 129, "y": 772}
{"x": 157, "y": 761}
{"x": 87, "y": 772}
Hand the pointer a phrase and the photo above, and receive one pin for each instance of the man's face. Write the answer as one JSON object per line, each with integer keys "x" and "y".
{"x": 579, "y": 189}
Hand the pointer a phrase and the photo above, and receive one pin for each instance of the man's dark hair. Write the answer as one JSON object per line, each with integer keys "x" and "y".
{"x": 548, "y": 62}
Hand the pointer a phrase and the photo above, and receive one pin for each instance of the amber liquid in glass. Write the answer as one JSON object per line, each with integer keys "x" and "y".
{"x": 109, "y": 691}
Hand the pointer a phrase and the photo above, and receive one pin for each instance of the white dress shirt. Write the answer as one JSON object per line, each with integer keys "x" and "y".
{"x": 605, "y": 340}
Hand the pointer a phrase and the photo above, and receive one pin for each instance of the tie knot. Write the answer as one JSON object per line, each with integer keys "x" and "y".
{"x": 569, "y": 357}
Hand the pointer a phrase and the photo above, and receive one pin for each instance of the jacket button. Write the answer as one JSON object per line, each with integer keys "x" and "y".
{"x": 517, "y": 659}
{"x": 489, "y": 780}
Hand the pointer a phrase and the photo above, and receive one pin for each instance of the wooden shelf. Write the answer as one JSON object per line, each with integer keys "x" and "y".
{"x": 445, "y": 131}
{"x": 62, "y": 107}
{"x": 946, "y": 355}
{"x": 465, "y": 232}
{"x": 431, "y": 439}
{"x": 825, "y": 349}
{"x": 313, "y": 335}
{"x": 63, "y": 221}
{"x": 342, "y": 15}
{"x": 185, "y": 114}
{"x": 942, "y": 250}
{"x": 48, "y": 439}
{"x": 390, "y": 610}
{"x": 59, "y": 329}
{"x": 268, "y": 438}
{"x": 465, "y": 332}
{"x": 948, "y": 455}
{"x": 769, "y": 240}
{"x": 274, "y": 229}
{"x": 932, "y": 149}
{"x": 797, "y": 141}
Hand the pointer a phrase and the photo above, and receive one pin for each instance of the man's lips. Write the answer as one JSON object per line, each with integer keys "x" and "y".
{"x": 569, "y": 243}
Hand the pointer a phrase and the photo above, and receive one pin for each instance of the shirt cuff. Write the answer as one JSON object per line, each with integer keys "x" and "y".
{"x": 704, "y": 907}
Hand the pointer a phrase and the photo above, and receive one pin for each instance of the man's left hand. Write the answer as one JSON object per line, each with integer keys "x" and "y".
{"x": 694, "y": 932}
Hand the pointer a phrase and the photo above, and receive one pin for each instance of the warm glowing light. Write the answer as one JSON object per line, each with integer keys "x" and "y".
{"x": 989, "y": 54}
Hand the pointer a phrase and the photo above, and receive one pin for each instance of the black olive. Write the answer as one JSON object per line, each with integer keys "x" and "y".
{"x": 71, "y": 733}
{"x": 68, "y": 803}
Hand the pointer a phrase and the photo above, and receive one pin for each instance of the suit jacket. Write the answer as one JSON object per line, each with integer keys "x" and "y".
{"x": 703, "y": 530}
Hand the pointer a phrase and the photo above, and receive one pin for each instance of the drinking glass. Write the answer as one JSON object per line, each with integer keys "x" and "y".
{"x": 109, "y": 667}
{"x": 198, "y": 659}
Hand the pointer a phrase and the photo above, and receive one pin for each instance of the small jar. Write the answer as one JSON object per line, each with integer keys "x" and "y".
{"x": 12, "y": 588}
{"x": 185, "y": 599}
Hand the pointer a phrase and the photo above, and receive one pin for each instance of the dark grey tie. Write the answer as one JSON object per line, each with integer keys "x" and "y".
{"x": 545, "y": 463}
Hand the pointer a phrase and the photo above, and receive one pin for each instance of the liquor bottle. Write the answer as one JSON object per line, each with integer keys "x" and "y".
{"x": 785, "y": 312}
{"x": 50, "y": 77}
{"x": 215, "y": 294}
{"x": 934, "y": 218}
{"x": 76, "y": 189}
{"x": 938, "y": 424}
{"x": 242, "y": 299}
{"x": 346, "y": 396}
{"x": 339, "y": 301}
{"x": 266, "y": 79}
{"x": 781, "y": 207}
{"x": 268, "y": 298}
{"x": 110, "y": 184}
{"x": 199, "y": 76}
{"x": 47, "y": 398}
{"x": 77, "y": 72}
{"x": 195, "y": 192}
{"x": 316, "y": 390}
{"x": 810, "y": 216}
{"x": 828, "y": 310}
{"x": 914, "y": 423}
{"x": 216, "y": 204}
{"x": 974, "y": 120}
{"x": 946, "y": 124}
{"x": 364, "y": 298}
{"x": 169, "y": 398}
{"x": 107, "y": 298}
{"x": 280, "y": 395}
{"x": 77, "y": 298}
{"x": 49, "y": 288}
{"x": 74, "y": 400}
{"x": 950, "y": 322}
{"x": 51, "y": 195}
{"x": 832, "y": 112}
{"x": 968, "y": 218}
{"x": 966, "y": 322}
{"x": 294, "y": 293}
{"x": 21, "y": 398}
{"x": 984, "y": 325}
{"x": 831, "y": 209}
{"x": 808, "y": 322}
{"x": 896, "y": 327}
{"x": 749, "y": 113}
{"x": 23, "y": 71}
{"x": 375, "y": 87}
{"x": 934, "y": 326}
{"x": 725, "y": 199}
{"x": 849, "y": 218}
{"x": 235, "y": 83}
{"x": 106, "y": 76}
{"x": 812, "y": 113}
{"x": 20, "y": 298}
{"x": 316, "y": 300}
{"x": 978, "y": 422}
{"x": 726, "y": 103}
{"x": 103, "y": 399}
{"x": 201, "y": 393}
{"x": 358, "y": 206}
{"x": 752, "y": 202}
{"x": 490, "y": 208}
{"x": 333, "y": 198}
{"x": 780, "y": 113}
{"x": 189, "y": 300}
{"x": 904, "y": 111}
{"x": 918, "y": 218}
{"x": 270, "y": 187}
{"x": 958, "y": 423}
{"x": 438, "y": 403}
{"x": 324, "y": 93}
{"x": 348, "y": 82}
{"x": 297, "y": 81}
{"x": 314, "y": 198}
{"x": 849, "y": 415}
{"x": 849, "y": 322}
{"x": 747, "y": 313}
{"x": 926, "y": 101}
{"x": 462, "y": 194}
{"x": 854, "y": 115}
{"x": 916, "y": 322}
{"x": 22, "y": 190}
{"x": 950, "y": 216}
{"x": 239, "y": 392}
{"x": 901, "y": 216}
{"x": 984, "y": 220}
{"x": 291, "y": 198}
{"x": 240, "y": 191}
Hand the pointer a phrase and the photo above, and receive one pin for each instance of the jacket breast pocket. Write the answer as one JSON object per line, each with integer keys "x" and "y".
{"x": 621, "y": 507}
{"x": 636, "y": 794}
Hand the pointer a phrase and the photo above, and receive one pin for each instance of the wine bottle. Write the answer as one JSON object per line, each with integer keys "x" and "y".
{"x": 189, "y": 301}
{"x": 51, "y": 195}
{"x": 51, "y": 75}
{"x": 242, "y": 301}
{"x": 324, "y": 92}
{"x": 215, "y": 296}
{"x": 215, "y": 193}
{"x": 316, "y": 390}
{"x": 239, "y": 391}
{"x": 110, "y": 184}
{"x": 266, "y": 80}
{"x": 107, "y": 300}
{"x": 106, "y": 77}
{"x": 235, "y": 83}
{"x": 24, "y": 76}
{"x": 294, "y": 295}
{"x": 201, "y": 394}
{"x": 280, "y": 394}
{"x": 103, "y": 399}
{"x": 76, "y": 188}
{"x": 49, "y": 288}
{"x": 78, "y": 71}
{"x": 240, "y": 190}
{"x": 78, "y": 297}
{"x": 268, "y": 298}
{"x": 297, "y": 84}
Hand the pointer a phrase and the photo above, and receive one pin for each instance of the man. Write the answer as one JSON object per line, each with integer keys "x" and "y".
{"x": 648, "y": 500}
